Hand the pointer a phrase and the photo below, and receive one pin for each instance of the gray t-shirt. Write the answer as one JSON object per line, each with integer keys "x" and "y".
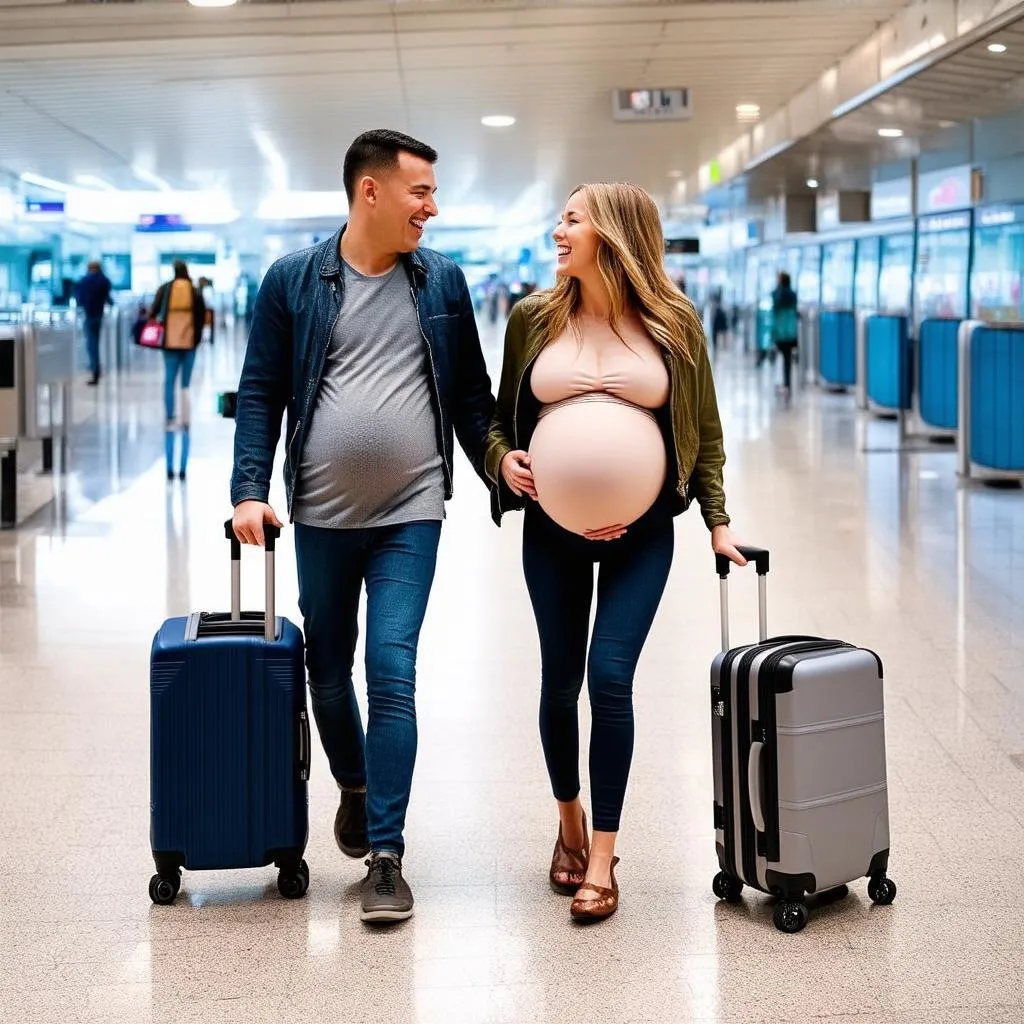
{"x": 371, "y": 456}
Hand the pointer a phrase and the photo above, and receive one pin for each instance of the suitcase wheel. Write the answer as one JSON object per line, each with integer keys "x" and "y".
{"x": 164, "y": 888}
{"x": 727, "y": 887}
{"x": 882, "y": 891}
{"x": 292, "y": 885}
{"x": 790, "y": 916}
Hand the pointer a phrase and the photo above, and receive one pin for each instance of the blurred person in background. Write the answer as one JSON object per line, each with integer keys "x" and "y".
{"x": 785, "y": 329}
{"x": 183, "y": 330}
{"x": 93, "y": 295}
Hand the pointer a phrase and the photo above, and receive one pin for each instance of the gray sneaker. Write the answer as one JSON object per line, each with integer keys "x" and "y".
{"x": 386, "y": 895}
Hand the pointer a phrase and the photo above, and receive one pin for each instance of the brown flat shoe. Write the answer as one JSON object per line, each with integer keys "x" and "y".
{"x": 572, "y": 863}
{"x": 606, "y": 903}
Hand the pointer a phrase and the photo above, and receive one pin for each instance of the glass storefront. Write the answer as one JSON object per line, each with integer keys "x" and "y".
{"x": 865, "y": 290}
{"x": 895, "y": 273}
{"x": 837, "y": 260}
{"x": 997, "y": 281}
{"x": 808, "y": 280}
{"x": 943, "y": 264}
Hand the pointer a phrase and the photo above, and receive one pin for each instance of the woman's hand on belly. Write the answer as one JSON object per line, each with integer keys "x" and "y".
{"x": 515, "y": 469}
{"x": 606, "y": 533}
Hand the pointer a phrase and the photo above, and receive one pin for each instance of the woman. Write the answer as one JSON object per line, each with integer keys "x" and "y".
{"x": 180, "y": 307}
{"x": 607, "y": 420}
{"x": 785, "y": 328}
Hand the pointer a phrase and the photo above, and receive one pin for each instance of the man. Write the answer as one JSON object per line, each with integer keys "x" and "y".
{"x": 371, "y": 345}
{"x": 92, "y": 296}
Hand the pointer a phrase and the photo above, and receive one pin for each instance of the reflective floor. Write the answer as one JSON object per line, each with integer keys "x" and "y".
{"x": 877, "y": 546}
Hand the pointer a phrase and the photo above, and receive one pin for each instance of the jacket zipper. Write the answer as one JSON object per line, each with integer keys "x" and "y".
{"x": 675, "y": 447}
{"x": 433, "y": 376}
{"x": 515, "y": 407}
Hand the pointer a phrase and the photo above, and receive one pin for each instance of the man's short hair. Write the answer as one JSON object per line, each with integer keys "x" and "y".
{"x": 377, "y": 151}
{"x": 93, "y": 265}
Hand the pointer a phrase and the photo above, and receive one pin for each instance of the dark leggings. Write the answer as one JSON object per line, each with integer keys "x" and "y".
{"x": 559, "y": 568}
{"x": 787, "y": 348}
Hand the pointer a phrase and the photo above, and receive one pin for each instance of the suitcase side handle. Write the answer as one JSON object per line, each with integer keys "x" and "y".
{"x": 270, "y": 536}
{"x": 754, "y": 784}
{"x": 759, "y": 556}
{"x": 304, "y": 745}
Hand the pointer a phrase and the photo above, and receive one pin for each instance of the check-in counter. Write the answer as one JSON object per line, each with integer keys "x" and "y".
{"x": 990, "y": 439}
{"x": 837, "y": 348}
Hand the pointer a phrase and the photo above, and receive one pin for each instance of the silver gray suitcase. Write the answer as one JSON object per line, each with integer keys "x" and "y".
{"x": 798, "y": 739}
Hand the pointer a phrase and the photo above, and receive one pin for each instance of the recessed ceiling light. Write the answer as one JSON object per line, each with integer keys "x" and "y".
{"x": 947, "y": 124}
{"x": 497, "y": 121}
{"x": 812, "y": 182}
{"x": 996, "y": 48}
{"x": 748, "y": 110}
{"x": 212, "y": 3}
{"x": 675, "y": 174}
{"x": 891, "y": 133}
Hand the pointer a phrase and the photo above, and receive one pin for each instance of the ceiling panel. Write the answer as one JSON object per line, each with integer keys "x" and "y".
{"x": 95, "y": 88}
{"x": 973, "y": 84}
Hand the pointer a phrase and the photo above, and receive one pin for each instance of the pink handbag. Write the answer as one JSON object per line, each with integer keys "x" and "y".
{"x": 152, "y": 335}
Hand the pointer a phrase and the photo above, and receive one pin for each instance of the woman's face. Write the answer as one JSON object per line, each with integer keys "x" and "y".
{"x": 576, "y": 239}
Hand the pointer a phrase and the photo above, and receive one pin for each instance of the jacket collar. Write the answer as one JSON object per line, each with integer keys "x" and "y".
{"x": 415, "y": 265}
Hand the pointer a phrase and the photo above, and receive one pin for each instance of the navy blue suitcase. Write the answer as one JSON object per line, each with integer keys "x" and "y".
{"x": 230, "y": 743}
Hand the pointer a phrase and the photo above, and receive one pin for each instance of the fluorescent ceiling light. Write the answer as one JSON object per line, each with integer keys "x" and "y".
{"x": 150, "y": 178}
{"x": 748, "y": 110}
{"x": 212, "y": 3}
{"x": 996, "y": 48}
{"x": 37, "y": 179}
{"x": 891, "y": 133}
{"x": 812, "y": 182}
{"x": 675, "y": 174}
{"x": 497, "y": 121}
{"x": 91, "y": 181}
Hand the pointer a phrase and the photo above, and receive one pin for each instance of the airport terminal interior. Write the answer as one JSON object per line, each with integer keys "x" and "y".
{"x": 871, "y": 150}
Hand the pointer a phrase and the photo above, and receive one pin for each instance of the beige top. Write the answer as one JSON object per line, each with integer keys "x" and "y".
{"x": 634, "y": 371}
{"x": 597, "y": 454}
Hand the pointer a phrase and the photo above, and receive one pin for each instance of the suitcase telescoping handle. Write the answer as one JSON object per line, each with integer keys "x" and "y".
{"x": 270, "y": 534}
{"x": 759, "y": 556}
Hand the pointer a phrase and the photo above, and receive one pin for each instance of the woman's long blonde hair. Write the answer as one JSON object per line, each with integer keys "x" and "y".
{"x": 631, "y": 261}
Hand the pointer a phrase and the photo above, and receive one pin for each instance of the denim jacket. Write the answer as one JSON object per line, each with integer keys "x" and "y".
{"x": 293, "y": 320}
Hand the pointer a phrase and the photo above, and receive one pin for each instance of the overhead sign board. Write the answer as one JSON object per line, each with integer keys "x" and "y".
{"x": 44, "y": 207}
{"x": 161, "y": 222}
{"x": 997, "y": 216}
{"x": 683, "y": 246}
{"x": 894, "y": 198}
{"x": 651, "y": 105}
{"x": 949, "y": 189}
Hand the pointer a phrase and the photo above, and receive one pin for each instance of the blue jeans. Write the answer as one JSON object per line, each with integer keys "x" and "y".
{"x": 177, "y": 361}
{"x": 559, "y": 568}
{"x": 93, "y": 326}
{"x": 397, "y": 565}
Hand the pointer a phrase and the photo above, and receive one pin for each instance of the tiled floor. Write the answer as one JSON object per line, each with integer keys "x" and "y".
{"x": 878, "y": 547}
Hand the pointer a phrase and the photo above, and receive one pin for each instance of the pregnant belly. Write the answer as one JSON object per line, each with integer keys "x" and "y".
{"x": 597, "y": 463}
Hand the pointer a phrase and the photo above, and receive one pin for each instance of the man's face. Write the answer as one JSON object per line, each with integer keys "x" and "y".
{"x": 404, "y": 202}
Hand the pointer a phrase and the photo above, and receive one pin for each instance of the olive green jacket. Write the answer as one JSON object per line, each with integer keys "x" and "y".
{"x": 696, "y": 427}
